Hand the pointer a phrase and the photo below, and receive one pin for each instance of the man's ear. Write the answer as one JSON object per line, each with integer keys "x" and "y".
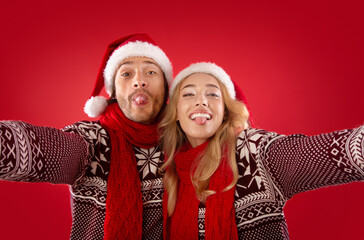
{"x": 113, "y": 93}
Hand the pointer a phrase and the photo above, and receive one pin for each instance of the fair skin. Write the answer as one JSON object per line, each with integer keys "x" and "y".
{"x": 200, "y": 107}
{"x": 139, "y": 89}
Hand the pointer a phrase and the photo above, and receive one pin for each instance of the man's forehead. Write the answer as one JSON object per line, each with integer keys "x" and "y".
{"x": 139, "y": 60}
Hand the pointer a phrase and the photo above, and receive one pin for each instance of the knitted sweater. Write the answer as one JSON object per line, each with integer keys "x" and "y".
{"x": 272, "y": 168}
{"x": 79, "y": 155}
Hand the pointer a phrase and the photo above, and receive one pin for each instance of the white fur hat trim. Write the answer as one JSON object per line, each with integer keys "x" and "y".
{"x": 136, "y": 49}
{"x": 205, "y": 67}
{"x": 95, "y": 106}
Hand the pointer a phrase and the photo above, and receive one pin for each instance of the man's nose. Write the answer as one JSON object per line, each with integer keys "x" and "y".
{"x": 139, "y": 81}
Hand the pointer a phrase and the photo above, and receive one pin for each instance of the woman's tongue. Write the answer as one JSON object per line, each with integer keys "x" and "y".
{"x": 200, "y": 120}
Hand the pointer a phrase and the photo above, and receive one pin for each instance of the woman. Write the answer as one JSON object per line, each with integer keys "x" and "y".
{"x": 223, "y": 185}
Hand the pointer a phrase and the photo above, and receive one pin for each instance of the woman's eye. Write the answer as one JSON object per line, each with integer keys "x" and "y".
{"x": 213, "y": 95}
{"x": 187, "y": 95}
{"x": 151, "y": 72}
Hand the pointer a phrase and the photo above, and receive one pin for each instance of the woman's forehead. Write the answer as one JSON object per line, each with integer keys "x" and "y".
{"x": 200, "y": 79}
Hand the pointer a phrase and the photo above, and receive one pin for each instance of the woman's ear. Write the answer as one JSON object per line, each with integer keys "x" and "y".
{"x": 177, "y": 118}
{"x": 238, "y": 130}
{"x": 226, "y": 114}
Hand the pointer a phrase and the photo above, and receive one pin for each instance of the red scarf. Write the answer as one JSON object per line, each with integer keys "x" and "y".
{"x": 220, "y": 211}
{"x": 124, "y": 207}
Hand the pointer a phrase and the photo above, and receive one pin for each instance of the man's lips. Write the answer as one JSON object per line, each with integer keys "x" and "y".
{"x": 140, "y": 99}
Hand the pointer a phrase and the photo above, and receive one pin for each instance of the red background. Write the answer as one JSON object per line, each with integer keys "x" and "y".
{"x": 300, "y": 65}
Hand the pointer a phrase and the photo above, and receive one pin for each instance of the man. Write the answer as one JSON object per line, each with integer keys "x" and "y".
{"x": 112, "y": 164}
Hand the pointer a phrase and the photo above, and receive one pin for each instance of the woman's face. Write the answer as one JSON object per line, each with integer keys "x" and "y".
{"x": 200, "y": 107}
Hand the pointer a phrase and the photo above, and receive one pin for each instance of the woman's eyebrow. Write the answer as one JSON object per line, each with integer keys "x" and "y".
{"x": 212, "y": 85}
{"x": 207, "y": 85}
{"x": 189, "y": 85}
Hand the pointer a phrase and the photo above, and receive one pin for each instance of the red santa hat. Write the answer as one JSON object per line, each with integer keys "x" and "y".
{"x": 209, "y": 68}
{"x": 135, "y": 45}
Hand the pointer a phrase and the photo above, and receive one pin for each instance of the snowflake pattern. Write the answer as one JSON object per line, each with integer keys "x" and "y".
{"x": 148, "y": 161}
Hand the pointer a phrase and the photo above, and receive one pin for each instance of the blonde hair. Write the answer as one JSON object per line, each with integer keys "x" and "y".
{"x": 223, "y": 141}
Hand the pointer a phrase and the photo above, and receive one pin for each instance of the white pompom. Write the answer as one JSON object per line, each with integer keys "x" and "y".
{"x": 95, "y": 106}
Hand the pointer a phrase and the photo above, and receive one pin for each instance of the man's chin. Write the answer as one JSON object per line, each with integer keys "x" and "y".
{"x": 142, "y": 117}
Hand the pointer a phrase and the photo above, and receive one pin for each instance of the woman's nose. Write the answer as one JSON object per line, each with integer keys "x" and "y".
{"x": 201, "y": 101}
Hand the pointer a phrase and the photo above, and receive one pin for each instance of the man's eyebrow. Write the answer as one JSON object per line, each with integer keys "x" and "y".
{"x": 126, "y": 63}
{"x": 145, "y": 62}
{"x": 150, "y": 62}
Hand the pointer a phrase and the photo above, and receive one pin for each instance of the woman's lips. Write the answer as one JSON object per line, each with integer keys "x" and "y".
{"x": 200, "y": 118}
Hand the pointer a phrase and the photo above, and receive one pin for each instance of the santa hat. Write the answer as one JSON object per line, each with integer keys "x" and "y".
{"x": 135, "y": 45}
{"x": 209, "y": 68}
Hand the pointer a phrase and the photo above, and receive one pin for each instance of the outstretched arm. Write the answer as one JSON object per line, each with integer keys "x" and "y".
{"x": 40, "y": 154}
{"x": 299, "y": 163}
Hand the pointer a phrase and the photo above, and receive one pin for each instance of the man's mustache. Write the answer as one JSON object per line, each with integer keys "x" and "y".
{"x": 146, "y": 92}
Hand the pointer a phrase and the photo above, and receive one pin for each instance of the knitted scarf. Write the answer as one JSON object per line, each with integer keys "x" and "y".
{"x": 220, "y": 212}
{"x": 124, "y": 207}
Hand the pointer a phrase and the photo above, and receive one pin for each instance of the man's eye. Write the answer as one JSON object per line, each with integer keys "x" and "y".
{"x": 125, "y": 74}
{"x": 151, "y": 72}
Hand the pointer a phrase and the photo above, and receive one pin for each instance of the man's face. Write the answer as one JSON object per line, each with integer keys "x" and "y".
{"x": 139, "y": 89}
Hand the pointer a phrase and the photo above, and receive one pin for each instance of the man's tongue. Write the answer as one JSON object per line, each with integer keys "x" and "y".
{"x": 200, "y": 120}
{"x": 141, "y": 100}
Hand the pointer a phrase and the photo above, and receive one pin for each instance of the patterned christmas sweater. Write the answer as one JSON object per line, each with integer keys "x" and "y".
{"x": 79, "y": 155}
{"x": 273, "y": 168}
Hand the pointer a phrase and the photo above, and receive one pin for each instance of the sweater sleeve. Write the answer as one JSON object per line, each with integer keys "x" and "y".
{"x": 31, "y": 153}
{"x": 299, "y": 163}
